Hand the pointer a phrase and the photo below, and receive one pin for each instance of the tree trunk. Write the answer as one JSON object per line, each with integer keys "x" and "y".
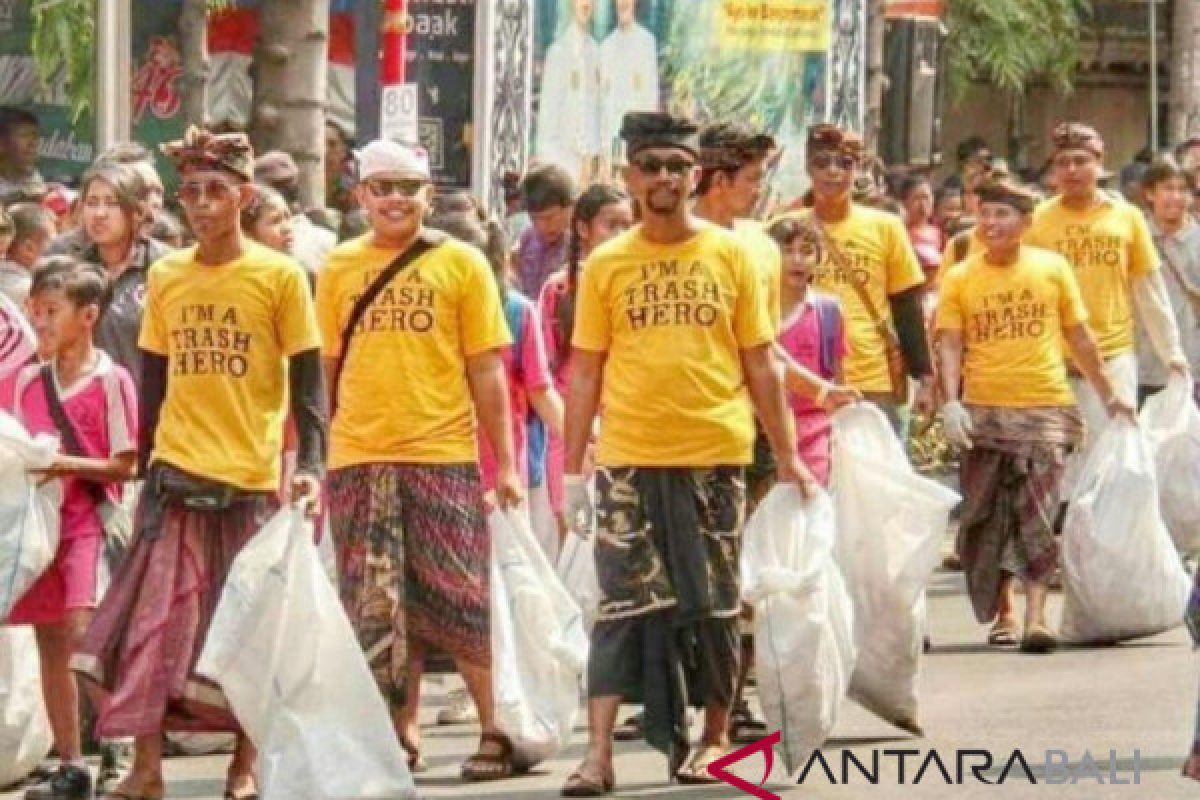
{"x": 1184, "y": 118}
{"x": 193, "y": 51}
{"x": 876, "y": 77}
{"x": 290, "y": 77}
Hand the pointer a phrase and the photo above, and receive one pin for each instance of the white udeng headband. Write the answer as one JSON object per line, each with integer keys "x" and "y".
{"x": 384, "y": 157}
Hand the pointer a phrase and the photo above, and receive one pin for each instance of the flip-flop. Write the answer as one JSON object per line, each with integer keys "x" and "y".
{"x": 695, "y": 773}
{"x": 1003, "y": 634}
{"x": 1039, "y": 641}
{"x": 579, "y": 786}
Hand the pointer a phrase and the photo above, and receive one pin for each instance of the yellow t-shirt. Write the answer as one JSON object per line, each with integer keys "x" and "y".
{"x": 766, "y": 258}
{"x": 1012, "y": 321}
{"x": 403, "y": 396}
{"x": 227, "y": 331}
{"x": 882, "y": 260}
{"x": 673, "y": 320}
{"x": 1108, "y": 246}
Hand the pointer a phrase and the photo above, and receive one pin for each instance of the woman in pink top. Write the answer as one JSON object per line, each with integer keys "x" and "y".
{"x": 601, "y": 212}
{"x": 812, "y": 332}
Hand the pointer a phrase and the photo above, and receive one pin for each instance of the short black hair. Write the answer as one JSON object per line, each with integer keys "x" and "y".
{"x": 547, "y": 186}
{"x": 907, "y": 183}
{"x": 28, "y": 219}
{"x": 83, "y": 283}
{"x": 970, "y": 147}
{"x": 1163, "y": 169}
{"x": 12, "y": 117}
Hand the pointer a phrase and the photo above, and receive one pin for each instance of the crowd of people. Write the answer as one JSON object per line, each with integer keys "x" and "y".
{"x": 640, "y": 359}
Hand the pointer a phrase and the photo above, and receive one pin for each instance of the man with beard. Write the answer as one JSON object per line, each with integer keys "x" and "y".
{"x": 672, "y": 333}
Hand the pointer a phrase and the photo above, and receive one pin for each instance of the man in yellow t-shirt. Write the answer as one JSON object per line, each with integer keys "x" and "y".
{"x": 671, "y": 333}
{"x": 409, "y": 378}
{"x": 1002, "y": 318}
{"x": 1108, "y": 244}
{"x": 870, "y": 266}
{"x": 228, "y": 338}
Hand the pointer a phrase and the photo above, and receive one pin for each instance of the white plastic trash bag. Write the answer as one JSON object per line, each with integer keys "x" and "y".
{"x": 25, "y": 736}
{"x": 891, "y": 522}
{"x": 29, "y": 513}
{"x": 282, "y": 650}
{"x": 1122, "y": 577}
{"x": 539, "y": 647}
{"x": 1171, "y": 422}
{"x": 804, "y": 649}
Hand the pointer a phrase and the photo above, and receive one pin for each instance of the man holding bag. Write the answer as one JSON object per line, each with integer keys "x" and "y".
{"x": 673, "y": 338}
{"x": 1001, "y": 319}
{"x": 870, "y": 267}
{"x": 229, "y": 335}
{"x": 413, "y": 331}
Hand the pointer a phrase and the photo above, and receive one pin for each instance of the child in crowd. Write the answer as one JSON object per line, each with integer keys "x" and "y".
{"x": 601, "y": 213}
{"x": 86, "y": 400}
{"x": 812, "y": 332}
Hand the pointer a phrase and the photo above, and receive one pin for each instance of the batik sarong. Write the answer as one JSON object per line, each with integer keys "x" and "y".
{"x": 413, "y": 556}
{"x": 143, "y": 644}
{"x": 1011, "y": 480}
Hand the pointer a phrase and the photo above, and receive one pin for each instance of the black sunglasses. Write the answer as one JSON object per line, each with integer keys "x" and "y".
{"x": 653, "y": 165}
{"x": 405, "y": 187}
{"x": 827, "y": 160}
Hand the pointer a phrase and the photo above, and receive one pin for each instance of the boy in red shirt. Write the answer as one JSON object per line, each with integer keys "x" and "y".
{"x": 86, "y": 400}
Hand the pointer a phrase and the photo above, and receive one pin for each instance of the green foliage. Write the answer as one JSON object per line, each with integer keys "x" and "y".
{"x": 1011, "y": 43}
{"x": 64, "y": 42}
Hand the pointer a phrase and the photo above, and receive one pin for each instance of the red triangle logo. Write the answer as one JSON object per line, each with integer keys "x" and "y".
{"x": 766, "y": 747}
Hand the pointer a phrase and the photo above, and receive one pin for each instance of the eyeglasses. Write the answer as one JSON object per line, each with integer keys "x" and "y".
{"x": 653, "y": 165}
{"x": 405, "y": 187}
{"x": 827, "y": 160}
{"x": 191, "y": 192}
{"x": 1076, "y": 161}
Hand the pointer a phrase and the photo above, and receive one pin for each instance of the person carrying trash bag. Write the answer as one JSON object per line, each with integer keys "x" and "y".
{"x": 229, "y": 341}
{"x": 414, "y": 332}
{"x": 1001, "y": 319}
{"x": 674, "y": 339}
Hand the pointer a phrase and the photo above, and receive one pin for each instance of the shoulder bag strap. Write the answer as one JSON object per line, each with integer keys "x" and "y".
{"x": 424, "y": 244}
{"x": 839, "y": 255}
{"x": 66, "y": 430}
{"x": 1191, "y": 293}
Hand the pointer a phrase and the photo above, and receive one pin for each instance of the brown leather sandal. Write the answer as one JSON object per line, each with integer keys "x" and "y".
{"x": 579, "y": 785}
{"x": 483, "y": 766}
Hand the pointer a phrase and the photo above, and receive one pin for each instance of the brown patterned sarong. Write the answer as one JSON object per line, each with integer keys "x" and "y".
{"x": 1010, "y": 481}
{"x": 667, "y": 548}
{"x": 413, "y": 556}
{"x": 148, "y": 633}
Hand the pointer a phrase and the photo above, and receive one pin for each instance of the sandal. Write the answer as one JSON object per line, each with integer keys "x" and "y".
{"x": 696, "y": 771}
{"x": 579, "y": 785}
{"x": 630, "y": 730}
{"x": 125, "y": 794}
{"x": 746, "y": 729}
{"x": 416, "y": 762}
{"x": 483, "y": 766}
{"x": 1003, "y": 633}
{"x": 1039, "y": 640}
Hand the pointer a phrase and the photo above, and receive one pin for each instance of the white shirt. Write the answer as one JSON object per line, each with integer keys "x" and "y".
{"x": 628, "y": 79}
{"x": 568, "y": 122}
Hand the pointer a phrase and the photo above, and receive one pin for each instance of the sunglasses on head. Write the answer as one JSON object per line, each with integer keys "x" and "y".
{"x": 405, "y": 187}
{"x": 826, "y": 160}
{"x": 653, "y": 165}
{"x": 192, "y": 192}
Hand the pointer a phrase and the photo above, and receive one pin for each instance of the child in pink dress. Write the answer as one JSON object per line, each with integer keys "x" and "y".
{"x": 89, "y": 402}
{"x": 813, "y": 333}
{"x": 601, "y": 212}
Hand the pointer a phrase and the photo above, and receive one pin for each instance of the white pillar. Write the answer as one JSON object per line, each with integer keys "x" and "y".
{"x": 114, "y": 57}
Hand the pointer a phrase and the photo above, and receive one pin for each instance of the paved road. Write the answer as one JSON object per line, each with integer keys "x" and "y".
{"x": 1137, "y": 696}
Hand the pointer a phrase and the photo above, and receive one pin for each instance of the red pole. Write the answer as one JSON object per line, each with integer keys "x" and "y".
{"x": 395, "y": 42}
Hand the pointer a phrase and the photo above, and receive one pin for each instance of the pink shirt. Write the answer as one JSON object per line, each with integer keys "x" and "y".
{"x": 527, "y": 371}
{"x": 552, "y": 294}
{"x": 102, "y": 408}
{"x": 800, "y": 336}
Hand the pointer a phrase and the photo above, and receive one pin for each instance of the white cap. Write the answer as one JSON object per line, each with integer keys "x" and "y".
{"x": 382, "y": 157}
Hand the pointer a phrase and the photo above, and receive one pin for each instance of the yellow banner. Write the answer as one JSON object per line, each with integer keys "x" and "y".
{"x": 774, "y": 25}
